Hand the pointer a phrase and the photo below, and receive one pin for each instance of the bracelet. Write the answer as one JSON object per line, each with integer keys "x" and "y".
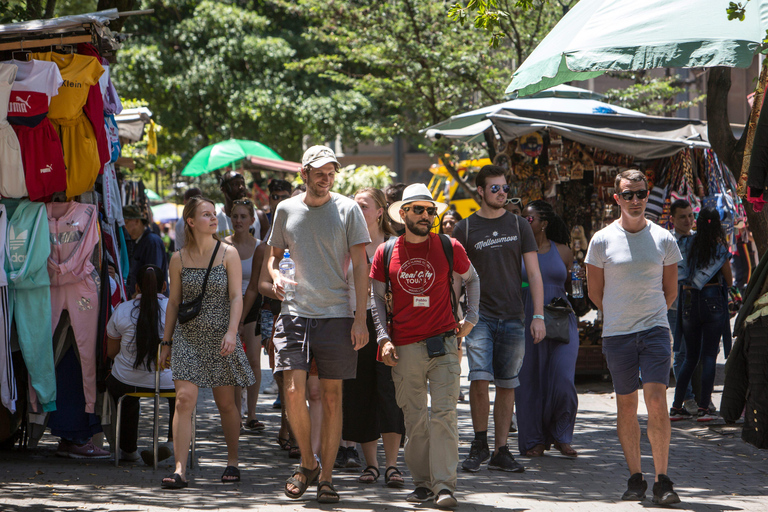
{"x": 538, "y": 317}
{"x": 166, "y": 343}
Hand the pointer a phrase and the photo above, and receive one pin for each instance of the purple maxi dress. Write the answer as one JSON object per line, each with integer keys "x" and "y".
{"x": 546, "y": 401}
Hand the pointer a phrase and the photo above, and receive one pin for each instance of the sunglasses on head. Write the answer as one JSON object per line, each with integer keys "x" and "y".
{"x": 278, "y": 197}
{"x": 496, "y": 188}
{"x": 629, "y": 194}
{"x": 419, "y": 210}
{"x": 246, "y": 202}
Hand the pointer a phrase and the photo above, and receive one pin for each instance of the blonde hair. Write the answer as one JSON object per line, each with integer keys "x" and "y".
{"x": 190, "y": 209}
{"x": 245, "y": 203}
{"x": 381, "y": 202}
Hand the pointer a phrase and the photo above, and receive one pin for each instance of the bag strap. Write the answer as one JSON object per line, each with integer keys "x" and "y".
{"x": 448, "y": 249}
{"x": 389, "y": 246}
{"x": 210, "y": 264}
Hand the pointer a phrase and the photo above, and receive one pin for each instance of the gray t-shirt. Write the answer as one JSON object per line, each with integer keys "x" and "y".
{"x": 633, "y": 263}
{"x": 319, "y": 239}
{"x": 496, "y": 247}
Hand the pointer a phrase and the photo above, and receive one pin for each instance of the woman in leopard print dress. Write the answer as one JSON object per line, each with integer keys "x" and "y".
{"x": 206, "y": 351}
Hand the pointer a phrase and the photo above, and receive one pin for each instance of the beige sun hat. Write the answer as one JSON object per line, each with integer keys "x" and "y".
{"x": 411, "y": 194}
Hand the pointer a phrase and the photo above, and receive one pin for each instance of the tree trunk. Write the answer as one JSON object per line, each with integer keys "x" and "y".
{"x": 730, "y": 150}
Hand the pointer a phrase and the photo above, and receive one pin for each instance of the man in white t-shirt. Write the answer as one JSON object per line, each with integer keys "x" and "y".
{"x": 632, "y": 279}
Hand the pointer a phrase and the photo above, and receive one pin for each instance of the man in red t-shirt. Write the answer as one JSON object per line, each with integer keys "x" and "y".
{"x": 422, "y": 349}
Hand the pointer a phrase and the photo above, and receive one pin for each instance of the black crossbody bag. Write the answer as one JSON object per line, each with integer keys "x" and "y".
{"x": 189, "y": 310}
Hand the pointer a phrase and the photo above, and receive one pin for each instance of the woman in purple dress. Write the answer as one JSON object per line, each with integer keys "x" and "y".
{"x": 546, "y": 400}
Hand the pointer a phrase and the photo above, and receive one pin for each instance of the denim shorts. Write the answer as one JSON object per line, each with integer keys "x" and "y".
{"x": 495, "y": 350}
{"x": 626, "y": 354}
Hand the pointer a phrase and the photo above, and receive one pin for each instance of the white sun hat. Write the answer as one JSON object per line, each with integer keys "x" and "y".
{"x": 411, "y": 194}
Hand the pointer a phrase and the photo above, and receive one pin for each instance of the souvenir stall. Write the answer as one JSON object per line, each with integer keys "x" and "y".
{"x": 571, "y": 159}
{"x": 60, "y": 219}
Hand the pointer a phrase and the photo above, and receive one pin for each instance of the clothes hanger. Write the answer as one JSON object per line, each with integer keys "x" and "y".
{"x": 21, "y": 50}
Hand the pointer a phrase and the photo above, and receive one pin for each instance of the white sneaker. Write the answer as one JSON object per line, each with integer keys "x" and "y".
{"x": 271, "y": 389}
{"x": 130, "y": 456}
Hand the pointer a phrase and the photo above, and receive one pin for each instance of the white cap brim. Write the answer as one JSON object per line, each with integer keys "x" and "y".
{"x": 321, "y": 162}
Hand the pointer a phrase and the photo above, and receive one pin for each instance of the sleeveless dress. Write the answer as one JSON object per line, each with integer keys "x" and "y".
{"x": 197, "y": 344}
{"x": 546, "y": 400}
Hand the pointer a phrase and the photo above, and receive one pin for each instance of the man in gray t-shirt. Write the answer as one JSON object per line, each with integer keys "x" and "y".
{"x": 323, "y": 231}
{"x": 497, "y": 242}
{"x": 632, "y": 279}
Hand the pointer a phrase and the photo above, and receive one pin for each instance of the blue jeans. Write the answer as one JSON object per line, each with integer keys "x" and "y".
{"x": 704, "y": 312}
{"x": 679, "y": 354}
{"x": 495, "y": 350}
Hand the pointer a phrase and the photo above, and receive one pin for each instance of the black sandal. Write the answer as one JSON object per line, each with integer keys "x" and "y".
{"x": 294, "y": 452}
{"x": 326, "y": 493}
{"x": 309, "y": 474}
{"x": 230, "y": 471}
{"x": 389, "y": 482}
{"x": 178, "y": 482}
{"x": 371, "y": 471}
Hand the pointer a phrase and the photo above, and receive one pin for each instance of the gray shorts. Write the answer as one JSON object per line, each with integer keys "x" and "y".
{"x": 627, "y": 354}
{"x": 328, "y": 341}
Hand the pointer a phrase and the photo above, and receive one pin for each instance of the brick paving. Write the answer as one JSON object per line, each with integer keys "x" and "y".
{"x": 710, "y": 465}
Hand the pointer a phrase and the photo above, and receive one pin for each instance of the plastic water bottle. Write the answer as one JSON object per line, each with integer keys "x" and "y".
{"x": 288, "y": 271}
{"x": 577, "y": 290}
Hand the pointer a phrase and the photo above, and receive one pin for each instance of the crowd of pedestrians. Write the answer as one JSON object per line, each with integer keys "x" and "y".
{"x": 365, "y": 339}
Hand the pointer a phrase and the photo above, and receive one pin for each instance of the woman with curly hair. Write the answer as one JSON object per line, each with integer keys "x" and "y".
{"x": 547, "y": 400}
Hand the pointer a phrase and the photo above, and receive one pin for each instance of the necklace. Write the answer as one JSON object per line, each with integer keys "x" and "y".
{"x": 405, "y": 247}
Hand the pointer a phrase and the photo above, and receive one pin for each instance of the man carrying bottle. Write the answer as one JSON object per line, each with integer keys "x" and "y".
{"x": 323, "y": 231}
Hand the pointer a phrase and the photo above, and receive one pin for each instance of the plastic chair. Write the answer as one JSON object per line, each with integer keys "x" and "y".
{"x": 157, "y": 395}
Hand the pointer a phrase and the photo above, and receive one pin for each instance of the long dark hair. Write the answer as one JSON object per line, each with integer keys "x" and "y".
{"x": 557, "y": 231}
{"x": 147, "y": 315}
{"x": 709, "y": 234}
{"x": 450, "y": 213}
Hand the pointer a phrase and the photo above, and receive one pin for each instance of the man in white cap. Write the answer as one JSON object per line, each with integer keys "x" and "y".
{"x": 422, "y": 346}
{"x": 323, "y": 231}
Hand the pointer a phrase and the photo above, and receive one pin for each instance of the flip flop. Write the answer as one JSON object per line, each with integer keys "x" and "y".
{"x": 230, "y": 471}
{"x": 326, "y": 493}
{"x": 178, "y": 482}
{"x": 369, "y": 476}
{"x": 309, "y": 474}
{"x": 389, "y": 478}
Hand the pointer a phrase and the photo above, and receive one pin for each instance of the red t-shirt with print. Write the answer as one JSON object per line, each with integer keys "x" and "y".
{"x": 418, "y": 275}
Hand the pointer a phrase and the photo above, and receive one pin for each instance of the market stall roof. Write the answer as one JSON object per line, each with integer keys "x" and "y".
{"x": 131, "y": 121}
{"x": 644, "y": 137}
{"x": 64, "y": 30}
{"x": 470, "y": 126}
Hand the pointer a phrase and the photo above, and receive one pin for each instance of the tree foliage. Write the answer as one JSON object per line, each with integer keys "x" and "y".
{"x": 652, "y": 95}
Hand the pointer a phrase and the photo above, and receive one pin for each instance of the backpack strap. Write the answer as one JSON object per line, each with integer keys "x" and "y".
{"x": 389, "y": 246}
{"x": 448, "y": 250}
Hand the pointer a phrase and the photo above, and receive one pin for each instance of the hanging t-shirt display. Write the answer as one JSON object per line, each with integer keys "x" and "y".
{"x": 81, "y": 152}
{"x": 36, "y": 83}
{"x": 12, "y": 176}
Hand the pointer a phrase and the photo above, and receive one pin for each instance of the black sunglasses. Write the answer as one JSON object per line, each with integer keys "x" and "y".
{"x": 419, "y": 210}
{"x": 278, "y": 197}
{"x": 496, "y": 188}
{"x": 629, "y": 194}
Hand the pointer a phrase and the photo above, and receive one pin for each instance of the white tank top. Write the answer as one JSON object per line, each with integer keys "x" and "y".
{"x": 247, "y": 265}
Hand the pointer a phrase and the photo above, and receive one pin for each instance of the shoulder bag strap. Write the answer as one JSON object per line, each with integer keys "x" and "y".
{"x": 210, "y": 264}
{"x": 389, "y": 247}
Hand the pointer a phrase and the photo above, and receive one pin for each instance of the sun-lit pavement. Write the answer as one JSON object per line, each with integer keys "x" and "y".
{"x": 710, "y": 465}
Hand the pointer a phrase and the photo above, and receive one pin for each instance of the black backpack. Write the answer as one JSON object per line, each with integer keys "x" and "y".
{"x": 389, "y": 246}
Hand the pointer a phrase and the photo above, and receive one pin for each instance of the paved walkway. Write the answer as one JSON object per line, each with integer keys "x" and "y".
{"x": 710, "y": 465}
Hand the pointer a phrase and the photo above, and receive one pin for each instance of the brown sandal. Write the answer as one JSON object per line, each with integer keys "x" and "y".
{"x": 536, "y": 451}
{"x": 566, "y": 450}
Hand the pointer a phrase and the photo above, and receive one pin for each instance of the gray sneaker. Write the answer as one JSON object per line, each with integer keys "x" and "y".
{"x": 502, "y": 460}
{"x": 478, "y": 453}
{"x": 691, "y": 406}
{"x": 353, "y": 458}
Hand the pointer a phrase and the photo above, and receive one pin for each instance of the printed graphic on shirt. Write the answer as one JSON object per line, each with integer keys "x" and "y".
{"x": 27, "y": 103}
{"x": 416, "y": 276}
{"x": 16, "y": 244}
{"x": 495, "y": 241}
